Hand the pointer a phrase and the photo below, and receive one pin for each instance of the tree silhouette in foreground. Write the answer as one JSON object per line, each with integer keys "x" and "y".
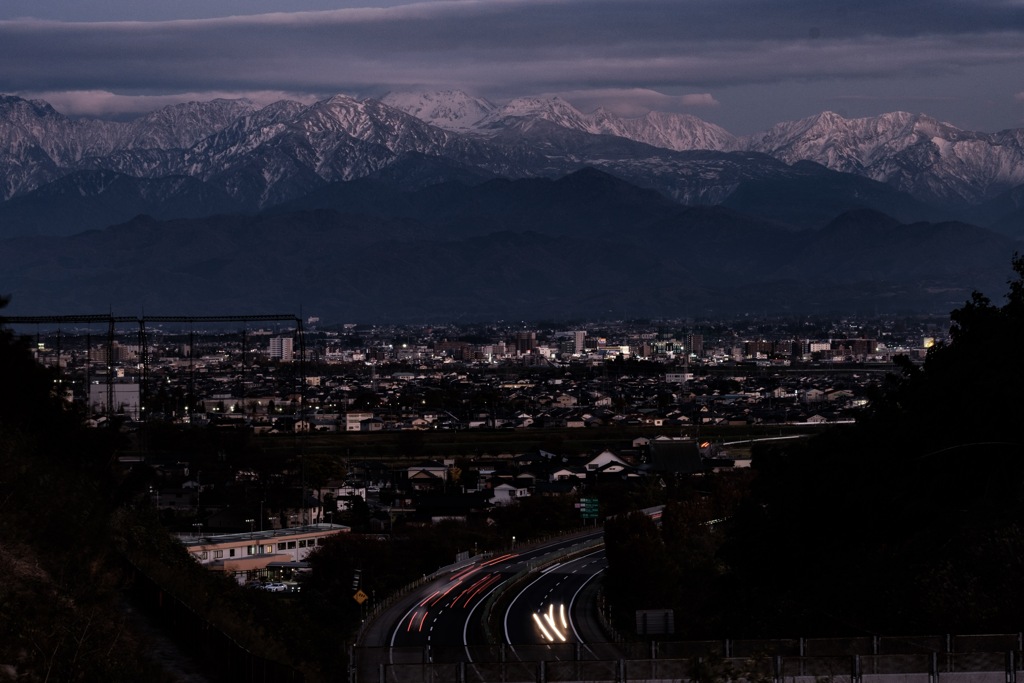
{"x": 910, "y": 521}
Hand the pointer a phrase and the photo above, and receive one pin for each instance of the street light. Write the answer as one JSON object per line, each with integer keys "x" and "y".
{"x": 250, "y": 521}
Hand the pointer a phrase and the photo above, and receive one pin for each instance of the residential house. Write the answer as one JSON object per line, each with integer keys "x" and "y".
{"x": 602, "y": 459}
{"x": 506, "y": 494}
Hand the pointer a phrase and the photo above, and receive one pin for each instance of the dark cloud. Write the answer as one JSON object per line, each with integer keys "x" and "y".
{"x": 511, "y": 47}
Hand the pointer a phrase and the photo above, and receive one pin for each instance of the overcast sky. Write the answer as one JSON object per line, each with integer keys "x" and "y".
{"x": 743, "y": 64}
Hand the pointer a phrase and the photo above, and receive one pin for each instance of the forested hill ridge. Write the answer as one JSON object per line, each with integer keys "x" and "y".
{"x": 584, "y": 246}
{"x": 909, "y": 522}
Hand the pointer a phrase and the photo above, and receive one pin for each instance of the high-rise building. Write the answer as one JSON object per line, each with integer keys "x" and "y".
{"x": 526, "y": 341}
{"x": 694, "y": 344}
{"x": 282, "y": 348}
{"x": 580, "y": 341}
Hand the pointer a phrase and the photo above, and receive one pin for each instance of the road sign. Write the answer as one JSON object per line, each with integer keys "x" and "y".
{"x": 360, "y": 597}
{"x": 588, "y": 508}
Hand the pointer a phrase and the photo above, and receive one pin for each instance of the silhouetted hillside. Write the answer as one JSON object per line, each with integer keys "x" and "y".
{"x": 587, "y": 245}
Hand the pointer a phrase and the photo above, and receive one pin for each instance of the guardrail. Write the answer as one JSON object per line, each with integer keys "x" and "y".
{"x": 564, "y": 663}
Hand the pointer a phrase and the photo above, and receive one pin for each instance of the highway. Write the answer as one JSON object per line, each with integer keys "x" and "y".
{"x": 443, "y": 620}
{"x": 542, "y": 610}
{"x": 553, "y": 614}
{"x": 532, "y": 603}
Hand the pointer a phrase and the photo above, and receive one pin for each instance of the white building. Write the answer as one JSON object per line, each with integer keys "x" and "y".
{"x": 354, "y": 420}
{"x": 506, "y": 494}
{"x": 282, "y": 348}
{"x": 123, "y": 399}
{"x": 248, "y": 554}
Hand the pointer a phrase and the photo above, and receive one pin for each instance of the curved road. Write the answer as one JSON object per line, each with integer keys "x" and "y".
{"x": 543, "y": 610}
{"x": 443, "y": 620}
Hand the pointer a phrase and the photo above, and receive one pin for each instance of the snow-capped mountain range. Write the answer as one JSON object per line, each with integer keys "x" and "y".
{"x": 915, "y": 153}
{"x": 438, "y": 206}
{"x": 457, "y": 111}
{"x": 262, "y": 156}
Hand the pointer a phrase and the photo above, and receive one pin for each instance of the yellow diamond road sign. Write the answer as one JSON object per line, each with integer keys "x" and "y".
{"x": 360, "y": 597}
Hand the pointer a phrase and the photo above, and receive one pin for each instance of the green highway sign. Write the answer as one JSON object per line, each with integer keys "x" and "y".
{"x": 588, "y": 508}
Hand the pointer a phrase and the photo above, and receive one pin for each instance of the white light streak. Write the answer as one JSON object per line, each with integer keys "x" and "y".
{"x": 543, "y": 630}
{"x": 550, "y": 618}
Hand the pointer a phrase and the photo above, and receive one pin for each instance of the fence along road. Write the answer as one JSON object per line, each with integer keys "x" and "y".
{"x": 929, "y": 659}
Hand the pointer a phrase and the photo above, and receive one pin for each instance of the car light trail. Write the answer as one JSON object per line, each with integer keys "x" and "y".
{"x": 540, "y": 625}
{"x": 429, "y": 598}
{"x": 423, "y": 619}
{"x": 490, "y": 582}
{"x": 496, "y": 560}
{"x": 471, "y": 589}
{"x": 465, "y": 572}
{"x": 442, "y": 595}
{"x": 411, "y": 620}
{"x": 549, "y": 617}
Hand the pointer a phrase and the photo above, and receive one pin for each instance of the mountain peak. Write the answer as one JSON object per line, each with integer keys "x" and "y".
{"x": 448, "y": 109}
{"x": 913, "y": 152}
{"x": 340, "y": 99}
{"x": 269, "y": 154}
{"x": 9, "y": 104}
{"x": 179, "y": 126}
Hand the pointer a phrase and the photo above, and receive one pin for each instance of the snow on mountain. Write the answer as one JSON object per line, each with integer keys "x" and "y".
{"x": 679, "y": 132}
{"x": 915, "y": 153}
{"x": 340, "y": 138}
{"x": 35, "y": 133}
{"x": 448, "y": 109}
{"x": 370, "y": 121}
{"x": 32, "y": 134}
{"x": 522, "y": 113}
{"x": 850, "y": 145}
{"x": 183, "y": 125}
{"x": 269, "y": 154}
{"x": 38, "y": 144}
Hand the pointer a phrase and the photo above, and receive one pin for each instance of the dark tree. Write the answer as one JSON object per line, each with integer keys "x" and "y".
{"x": 29, "y": 400}
{"x": 910, "y": 521}
{"x": 917, "y": 511}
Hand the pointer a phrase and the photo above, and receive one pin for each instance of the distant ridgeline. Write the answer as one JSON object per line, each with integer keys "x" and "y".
{"x": 527, "y": 210}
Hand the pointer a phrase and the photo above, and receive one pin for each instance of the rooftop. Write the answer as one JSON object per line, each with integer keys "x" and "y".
{"x": 192, "y": 540}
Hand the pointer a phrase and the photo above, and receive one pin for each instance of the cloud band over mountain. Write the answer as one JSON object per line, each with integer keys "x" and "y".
{"x": 775, "y": 60}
